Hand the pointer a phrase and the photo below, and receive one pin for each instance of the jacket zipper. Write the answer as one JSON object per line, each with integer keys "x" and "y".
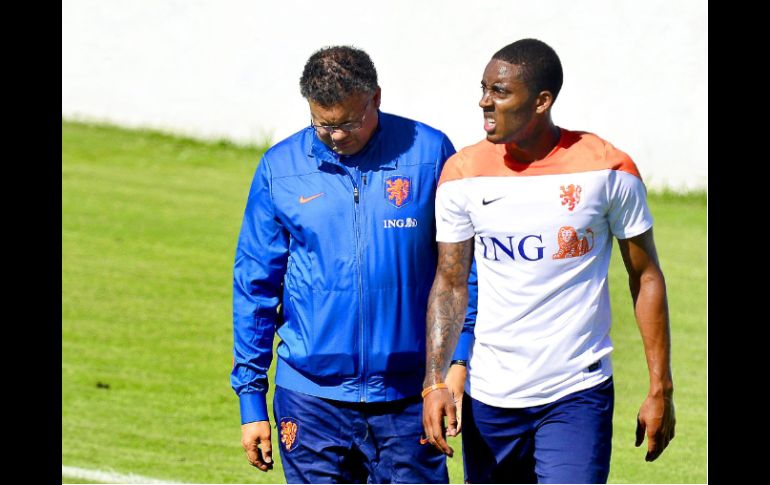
{"x": 362, "y": 328}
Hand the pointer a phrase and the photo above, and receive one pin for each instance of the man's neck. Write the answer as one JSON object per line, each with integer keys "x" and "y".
{"x": 536, "y": 147}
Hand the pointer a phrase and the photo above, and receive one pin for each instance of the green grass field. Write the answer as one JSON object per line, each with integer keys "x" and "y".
{"x": 149, "y": 226}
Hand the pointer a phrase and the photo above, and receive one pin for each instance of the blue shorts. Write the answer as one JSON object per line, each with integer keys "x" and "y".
{"x": 566, "y": 441}
{"x": 326, "y": 441}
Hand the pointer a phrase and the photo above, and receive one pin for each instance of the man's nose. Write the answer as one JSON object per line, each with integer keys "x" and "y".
{"x": 486, "y": 99}
{"x": 339, "y": 135}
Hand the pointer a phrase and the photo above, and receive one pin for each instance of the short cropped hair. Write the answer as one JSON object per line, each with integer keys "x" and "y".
{"x": 333, "y": 73}
{"x": 539, "y": 64}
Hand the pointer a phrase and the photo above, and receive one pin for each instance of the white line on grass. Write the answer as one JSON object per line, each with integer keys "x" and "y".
{"x": 106, "y": 476}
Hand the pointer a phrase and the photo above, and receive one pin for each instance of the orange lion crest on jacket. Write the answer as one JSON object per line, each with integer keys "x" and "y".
{"x": 572, "y": 246}
{"x": 398, "y": 190}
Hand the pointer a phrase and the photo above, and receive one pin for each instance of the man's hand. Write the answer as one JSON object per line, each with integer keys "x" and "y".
{"x": 656, "y": 416}
{"x": 455, "y": 380}
{"x": 435, "y": 406}
{"x": 255, "y": 438}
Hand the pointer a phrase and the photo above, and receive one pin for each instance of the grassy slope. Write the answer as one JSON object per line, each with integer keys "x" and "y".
{"x": 680, "y": 236}
{"x": 149, "y": 224}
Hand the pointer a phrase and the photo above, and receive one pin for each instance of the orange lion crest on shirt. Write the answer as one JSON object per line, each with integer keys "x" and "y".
{"x": 572, "y": 246}
{"x": 398, "y": 190}
{"x": 288, "y": 433}
{"x": 570, "y": 195}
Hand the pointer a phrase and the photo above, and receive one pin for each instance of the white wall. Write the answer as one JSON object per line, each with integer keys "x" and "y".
{"x": 635, "y": 72}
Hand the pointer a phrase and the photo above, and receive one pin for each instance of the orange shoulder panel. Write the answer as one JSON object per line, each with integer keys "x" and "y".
{"x": 479, "y": 160}
{"x": 581, "y": 151}
{"x": 452, "y": 169}
{"x": 619, "y": 160}
{"x": 577, "y": 151}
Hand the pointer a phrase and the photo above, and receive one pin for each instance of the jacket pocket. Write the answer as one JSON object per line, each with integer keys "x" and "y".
{"x": 325, "y": 339}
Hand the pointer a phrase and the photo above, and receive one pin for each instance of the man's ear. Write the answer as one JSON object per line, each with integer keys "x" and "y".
{"x": 543, "y": 102}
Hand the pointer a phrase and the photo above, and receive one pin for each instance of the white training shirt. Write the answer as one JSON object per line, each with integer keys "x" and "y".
{"x": 543, "y": 238}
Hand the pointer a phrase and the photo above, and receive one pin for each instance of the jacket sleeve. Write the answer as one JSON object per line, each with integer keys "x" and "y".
{"x": 260, "y": 265}
{"x": 465, "y": 342}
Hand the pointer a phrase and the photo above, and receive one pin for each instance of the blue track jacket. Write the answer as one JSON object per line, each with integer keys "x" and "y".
{"x": 346, "y": 246}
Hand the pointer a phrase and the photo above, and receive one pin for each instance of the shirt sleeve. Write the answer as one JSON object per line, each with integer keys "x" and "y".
{"x": 260, "y": 264}
{"x": 453, "y": 223}
{"x": 628, "y": 213}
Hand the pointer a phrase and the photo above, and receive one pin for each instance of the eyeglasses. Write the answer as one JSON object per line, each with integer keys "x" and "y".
{"x": 346, "y": 127}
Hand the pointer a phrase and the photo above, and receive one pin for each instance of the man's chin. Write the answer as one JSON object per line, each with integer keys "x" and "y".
{"x": 345, "y": 149}
{"x": 492, "y": 138}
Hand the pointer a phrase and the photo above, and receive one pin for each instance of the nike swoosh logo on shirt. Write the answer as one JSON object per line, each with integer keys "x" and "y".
{"x": 485, "y": 201}
{"x": 303, "y": 200}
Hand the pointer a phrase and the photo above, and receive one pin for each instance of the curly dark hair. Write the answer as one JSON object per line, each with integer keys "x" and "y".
{"x": 539, "y": 64}
{"x": 333, "y": 73}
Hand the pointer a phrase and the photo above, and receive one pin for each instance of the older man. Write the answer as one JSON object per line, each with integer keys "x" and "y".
{"x": 339, "y": 230}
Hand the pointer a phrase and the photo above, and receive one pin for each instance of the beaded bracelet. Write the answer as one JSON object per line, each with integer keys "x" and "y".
{"x": 432, "y": 388}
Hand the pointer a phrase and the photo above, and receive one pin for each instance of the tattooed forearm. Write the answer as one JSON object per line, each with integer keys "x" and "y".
{"x": 447, "y": 305}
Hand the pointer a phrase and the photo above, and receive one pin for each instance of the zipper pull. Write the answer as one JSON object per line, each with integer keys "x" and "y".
{"x": 355, "y": 194}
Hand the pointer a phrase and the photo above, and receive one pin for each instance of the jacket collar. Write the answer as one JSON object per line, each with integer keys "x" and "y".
{"x": 368, "y": 156}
